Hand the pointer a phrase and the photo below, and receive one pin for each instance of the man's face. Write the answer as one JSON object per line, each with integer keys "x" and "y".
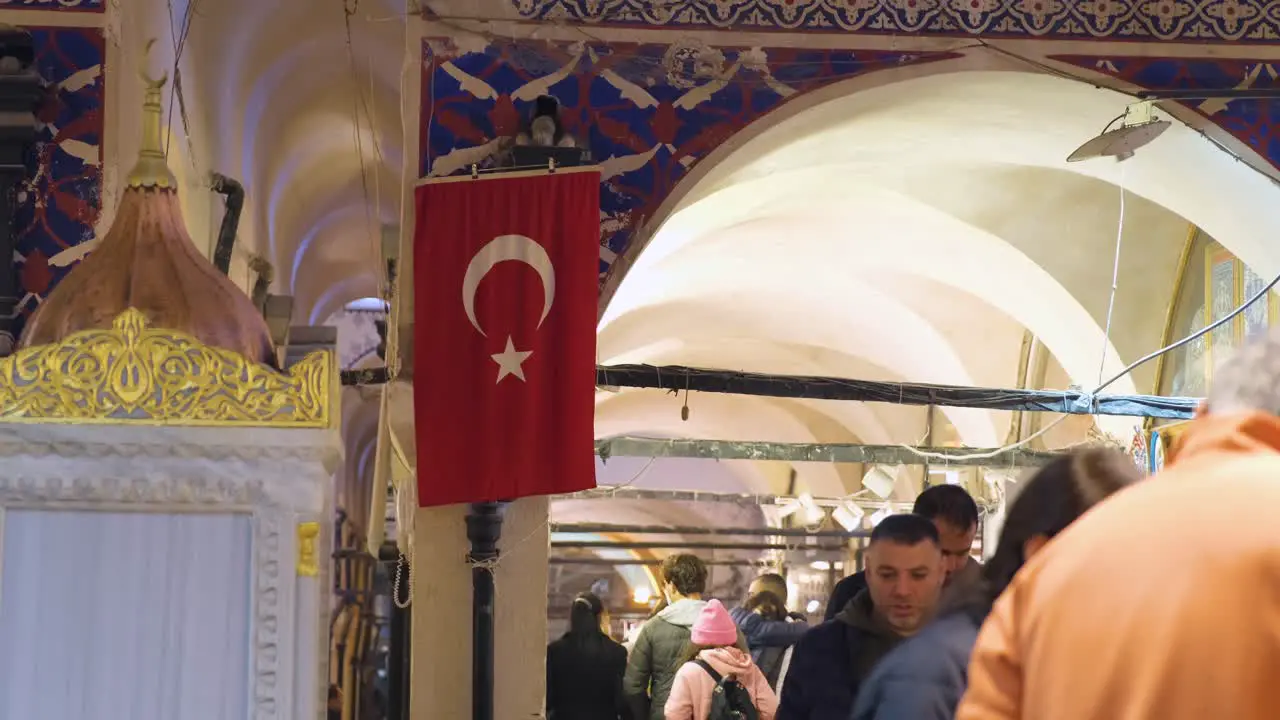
{"x": 956, "y": 545}
{"x": 905, "y": 582}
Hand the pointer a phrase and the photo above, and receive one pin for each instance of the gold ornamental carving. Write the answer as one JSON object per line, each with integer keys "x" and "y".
{"x": 136, "y": 374}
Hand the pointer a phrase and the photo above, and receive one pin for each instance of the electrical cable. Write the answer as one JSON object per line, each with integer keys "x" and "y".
{"x": 1115, "y": 282}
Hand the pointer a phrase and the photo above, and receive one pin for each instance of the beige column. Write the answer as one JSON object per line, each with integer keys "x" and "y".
{"x": 441, "y": 655}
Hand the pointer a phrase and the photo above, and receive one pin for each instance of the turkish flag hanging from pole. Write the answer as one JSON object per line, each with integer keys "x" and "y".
{"x": 505, "y": 294}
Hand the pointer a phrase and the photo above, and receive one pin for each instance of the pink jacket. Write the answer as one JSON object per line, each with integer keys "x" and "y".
{"x": 690, "y": 697}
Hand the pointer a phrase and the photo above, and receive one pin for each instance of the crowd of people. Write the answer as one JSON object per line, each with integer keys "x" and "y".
{"x": 1108, "y": 597}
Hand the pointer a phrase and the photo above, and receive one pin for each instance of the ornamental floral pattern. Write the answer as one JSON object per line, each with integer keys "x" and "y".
{"x": 61, "y": 198}
{"x": 54, "y": 5}
{"x": 648, "y": 112}
{"x": 1181, "y": 20}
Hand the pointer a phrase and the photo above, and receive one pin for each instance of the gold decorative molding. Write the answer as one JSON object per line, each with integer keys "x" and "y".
{"x": 308, "y": 560}
{"x": 136, "y": 374}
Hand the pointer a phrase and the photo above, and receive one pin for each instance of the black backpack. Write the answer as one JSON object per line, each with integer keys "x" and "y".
{"x": 729, "y": 700}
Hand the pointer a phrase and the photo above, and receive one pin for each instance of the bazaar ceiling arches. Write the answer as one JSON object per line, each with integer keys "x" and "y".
{"x": 856, "y": 189}
{"x": 286, "y": 116}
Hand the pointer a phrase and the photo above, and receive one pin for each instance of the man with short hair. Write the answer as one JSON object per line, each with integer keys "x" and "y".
{"x": 1163, "y": 601}
{"x": 904, "y": 581}
{"x": 955, "y": 515}
{"x": 767, "y": 626}
{"x": 658, "y": 649}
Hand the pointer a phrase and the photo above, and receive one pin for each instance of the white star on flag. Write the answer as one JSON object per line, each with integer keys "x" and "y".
{"x": 510, "y": 361}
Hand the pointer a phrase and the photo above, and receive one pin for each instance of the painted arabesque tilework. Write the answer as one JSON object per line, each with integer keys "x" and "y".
{"x": 649, "y": 112}
{"x": 54, "y": 5}
{"x": 60, "y": 201}
{"x": 1143, "y": 20}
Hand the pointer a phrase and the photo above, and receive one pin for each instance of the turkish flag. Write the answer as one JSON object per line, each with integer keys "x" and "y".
{"x": 505, "y": 295}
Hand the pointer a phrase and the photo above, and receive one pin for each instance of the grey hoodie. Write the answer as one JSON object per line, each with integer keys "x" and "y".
{"x": 657, "y": 655}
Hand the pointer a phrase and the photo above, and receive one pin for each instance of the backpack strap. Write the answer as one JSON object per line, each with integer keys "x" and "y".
{"x": 715, "y": 676}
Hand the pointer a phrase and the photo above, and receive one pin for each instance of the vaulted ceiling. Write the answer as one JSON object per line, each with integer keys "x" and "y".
{"x": 915, "y": 230}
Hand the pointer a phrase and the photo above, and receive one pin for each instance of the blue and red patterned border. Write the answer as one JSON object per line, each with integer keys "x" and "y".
{"x": 649, "y": 112}
{"x": 59, "y": 203}
{"x": 1255, "y": 21}
{"x": 93, "y": 6}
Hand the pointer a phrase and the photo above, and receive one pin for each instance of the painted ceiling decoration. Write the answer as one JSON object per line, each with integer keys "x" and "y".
{"x": 68, "y": 6}
{"x": 1149, "y": 20}
{"x": 59, "y": 203}
{"x": 648, "y": 111}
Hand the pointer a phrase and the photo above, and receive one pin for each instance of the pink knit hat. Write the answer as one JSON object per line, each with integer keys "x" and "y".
{"x": 714, "y": 626}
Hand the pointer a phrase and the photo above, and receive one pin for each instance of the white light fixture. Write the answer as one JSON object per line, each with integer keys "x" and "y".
{"x": 813, "y": 515}
{"x": 813, "y": 606}
{"x": 820, "y": 565}
{"x": 787, "y": 508}
{"x": 878, "y": 516}
{"x": 878, "y": 481}
{"x": 1138, "y": 126}
{"x": 642, "y": 595}
{"x": 849, "y": 516}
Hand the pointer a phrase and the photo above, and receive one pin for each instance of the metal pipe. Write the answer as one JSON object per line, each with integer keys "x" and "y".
{"x": 234, "y": 193}
{"x": 677, "y": 545}
{"x": 669, "y": 530}
{"x": 399, "y": 658}
{"x": 820, "y": 452}
{"x": 627, "y": 493}
{"x": 484, "y": 529}
{"x": 609, "y": 562}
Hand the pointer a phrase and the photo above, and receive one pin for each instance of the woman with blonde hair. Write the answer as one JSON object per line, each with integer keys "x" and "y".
{"x": 925, "y": 677}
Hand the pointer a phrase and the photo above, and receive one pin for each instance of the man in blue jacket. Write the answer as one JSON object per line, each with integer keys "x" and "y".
{"x": 904, "y": 581}
{"x": 768, "y": 634}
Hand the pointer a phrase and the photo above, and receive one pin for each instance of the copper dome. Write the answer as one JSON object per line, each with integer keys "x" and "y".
{"x": 148, "y": 261}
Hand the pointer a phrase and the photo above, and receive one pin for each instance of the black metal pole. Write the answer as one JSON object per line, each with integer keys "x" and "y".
{"x": 484, "y": 529}
{"x": 399, "y": 658}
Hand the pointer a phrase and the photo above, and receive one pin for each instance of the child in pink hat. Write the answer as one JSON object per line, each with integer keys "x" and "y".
{"x": 712, "y": 658}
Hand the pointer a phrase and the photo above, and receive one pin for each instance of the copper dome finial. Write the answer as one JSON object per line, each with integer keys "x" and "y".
{"x": 152, "y": 170}
{"x": 147, "y": 261}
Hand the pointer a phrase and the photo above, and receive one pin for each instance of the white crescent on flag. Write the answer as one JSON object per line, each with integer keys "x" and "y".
{"x": 500, "y": 249}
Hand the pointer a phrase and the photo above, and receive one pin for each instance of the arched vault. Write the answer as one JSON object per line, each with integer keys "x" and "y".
{"x": 917, "y": 230}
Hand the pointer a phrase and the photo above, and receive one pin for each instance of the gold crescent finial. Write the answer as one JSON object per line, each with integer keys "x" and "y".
{"x": 151, "y": 83}
{"x": 151, "y": 170}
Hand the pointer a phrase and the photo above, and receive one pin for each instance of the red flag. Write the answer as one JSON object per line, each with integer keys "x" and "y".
{"x": 505, "y": 295}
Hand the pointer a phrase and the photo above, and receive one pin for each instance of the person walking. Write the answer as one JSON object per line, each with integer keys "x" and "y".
{"x": 924, "y": 677}
{"x": 658, "y": 650}
{"x": 585, "y": 667}
{"x": 954, "y": 513}
{"x": 714, "y": 666}
{"x": 767, "y": 626}
{"x": 829, "y": 664}
{"x": 1163, "y": 601}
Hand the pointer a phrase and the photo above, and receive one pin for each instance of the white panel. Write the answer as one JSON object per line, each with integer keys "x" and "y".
{"x": 125, "y": 616}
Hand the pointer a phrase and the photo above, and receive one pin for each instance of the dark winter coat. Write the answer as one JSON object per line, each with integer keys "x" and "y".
{"x": 924, "y": 677}
{"x": 832, "y": 660}
{"x": 844, "y": 591}
{"x": 584, "y": 680}
{"x": 657, "y": 655}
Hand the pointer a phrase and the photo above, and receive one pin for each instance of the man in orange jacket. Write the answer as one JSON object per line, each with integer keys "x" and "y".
{"x": 1164, "y": 600}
